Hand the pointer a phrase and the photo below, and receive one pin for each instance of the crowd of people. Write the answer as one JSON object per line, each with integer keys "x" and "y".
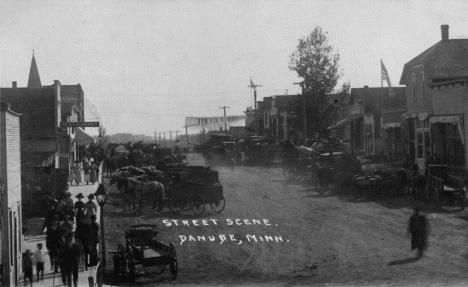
{"x": 84, "y": 171}
{"x": 72, "y": 237}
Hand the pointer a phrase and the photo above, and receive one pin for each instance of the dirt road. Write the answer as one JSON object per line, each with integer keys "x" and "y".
{"x": 312, "y": 239}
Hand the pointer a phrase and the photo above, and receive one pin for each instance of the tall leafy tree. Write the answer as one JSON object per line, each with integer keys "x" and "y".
{"x": 317, "y": 64}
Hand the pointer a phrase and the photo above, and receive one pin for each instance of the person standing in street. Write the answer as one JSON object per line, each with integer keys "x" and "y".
{"x": 418, "y": 228}
{"x": 71, "y": 259}
{"x": 39, "y": 259}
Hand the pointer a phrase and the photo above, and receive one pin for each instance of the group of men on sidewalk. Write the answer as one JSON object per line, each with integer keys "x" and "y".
{"x": 72, "y": 236}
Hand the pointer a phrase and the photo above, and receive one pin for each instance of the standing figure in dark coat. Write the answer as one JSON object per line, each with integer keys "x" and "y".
{"x": 70, "y": 262}
{"x": 79, "y": 209}
{"x": 418, "y": 227}
{"x": 52, "y": 242}
{"x": 93, "y": 240}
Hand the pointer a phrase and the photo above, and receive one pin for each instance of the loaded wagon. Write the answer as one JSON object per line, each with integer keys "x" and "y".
{"x": 194, "y": 187}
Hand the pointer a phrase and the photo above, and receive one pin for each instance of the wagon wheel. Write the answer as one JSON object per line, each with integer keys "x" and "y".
{"x": 131, "y": 264}
{"x": 175, "y": 204}
{"x": 198, "y": 204}
{"x": 321, "y": 187}
{"x": 120, "y": 261}
{"x": 219, "y": 205}
{"x": 174, "y": 265}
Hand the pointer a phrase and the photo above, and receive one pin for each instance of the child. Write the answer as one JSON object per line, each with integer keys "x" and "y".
{"x": 39, "y": 261}
{"x": 27, "y": 267}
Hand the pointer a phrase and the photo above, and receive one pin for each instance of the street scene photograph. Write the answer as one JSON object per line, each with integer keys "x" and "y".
{"x": 233, "y": 143}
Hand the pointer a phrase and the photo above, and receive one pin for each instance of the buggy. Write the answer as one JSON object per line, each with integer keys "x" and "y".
{"x": 141, "y": 248}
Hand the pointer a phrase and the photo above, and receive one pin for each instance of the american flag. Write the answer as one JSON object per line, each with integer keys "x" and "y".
{"x": 385, "y": 76}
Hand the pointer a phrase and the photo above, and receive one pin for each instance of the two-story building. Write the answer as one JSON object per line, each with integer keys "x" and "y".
{"x": 276, "y": 116}
{"x": 436, "y": 101}
{"x": 365, "y": 125}
{"x": 11, "y": 237}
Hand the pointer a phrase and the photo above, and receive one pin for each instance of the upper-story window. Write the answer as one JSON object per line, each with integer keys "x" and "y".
{"x": 413, "y": 86}
{"x": 422, "y": 85}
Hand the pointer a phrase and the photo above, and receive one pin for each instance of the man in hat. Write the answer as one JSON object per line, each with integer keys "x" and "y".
{"x": 52, "y": 242}
{"x": 67, "y": 203}
{"x": 79, "y": 209}
{"x": 418, "y": 227}
{"x": 90, "y": 208}
{"x": 71, "y": 259}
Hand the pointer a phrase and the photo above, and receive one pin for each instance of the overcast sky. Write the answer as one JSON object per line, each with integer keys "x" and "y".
{"x": 147, "y": 65}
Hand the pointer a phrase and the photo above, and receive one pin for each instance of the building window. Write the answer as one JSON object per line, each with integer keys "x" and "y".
{"x": 422, "y": 85}
{"x": 413, "y": 86}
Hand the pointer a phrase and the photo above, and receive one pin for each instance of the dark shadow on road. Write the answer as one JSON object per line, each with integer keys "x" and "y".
{"x": 403, "y": 261}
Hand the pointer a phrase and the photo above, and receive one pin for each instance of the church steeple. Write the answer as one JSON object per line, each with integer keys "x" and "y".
{"x": 34, "y": 79}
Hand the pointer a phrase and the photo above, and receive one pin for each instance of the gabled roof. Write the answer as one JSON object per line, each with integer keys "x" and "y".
{"x": 445, "y": 59}
{"x": 373, "y": 97}
{"x": 34, "y": 79}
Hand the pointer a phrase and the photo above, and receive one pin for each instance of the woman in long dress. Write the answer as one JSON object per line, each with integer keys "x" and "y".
{"x": 94, "y": 169}
{"x": 77, "y": 171}
{"x": 87, "y": 169}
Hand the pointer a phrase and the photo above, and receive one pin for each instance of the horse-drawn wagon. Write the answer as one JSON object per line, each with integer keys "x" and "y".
{"x": 196, "y": 196}
{"x": 193, "y": 188}
{"x": 141, "y": 248}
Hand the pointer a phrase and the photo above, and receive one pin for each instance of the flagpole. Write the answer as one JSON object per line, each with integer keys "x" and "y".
{"x": 382, "y": 131}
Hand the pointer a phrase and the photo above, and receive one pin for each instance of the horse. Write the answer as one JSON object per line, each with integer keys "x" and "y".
{"x": 154, "y": 190}
{"x": 124, "y": 185}
{"x": 110, "y": 164}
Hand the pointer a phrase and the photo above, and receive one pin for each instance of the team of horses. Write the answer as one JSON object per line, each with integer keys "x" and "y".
{"x": 137, "y": 185}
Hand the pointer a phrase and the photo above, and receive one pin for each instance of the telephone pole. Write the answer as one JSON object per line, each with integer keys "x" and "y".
{"x": 254, "y": 87}
{"x": 304, "y": 116}
{"x": 225, "y": 123}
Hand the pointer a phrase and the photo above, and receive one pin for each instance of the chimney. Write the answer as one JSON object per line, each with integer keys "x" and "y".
{"x": 14, "y": 84}
{"x": 366, "y": 87}
{"x": 445, "y": 32}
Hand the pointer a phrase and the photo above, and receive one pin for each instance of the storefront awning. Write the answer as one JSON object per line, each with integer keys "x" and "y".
{"x": 456, "y": 120}
{"x": 82, "y": 138}
{"x": 391, "y": 125}
{"x": 345, "y": 121}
